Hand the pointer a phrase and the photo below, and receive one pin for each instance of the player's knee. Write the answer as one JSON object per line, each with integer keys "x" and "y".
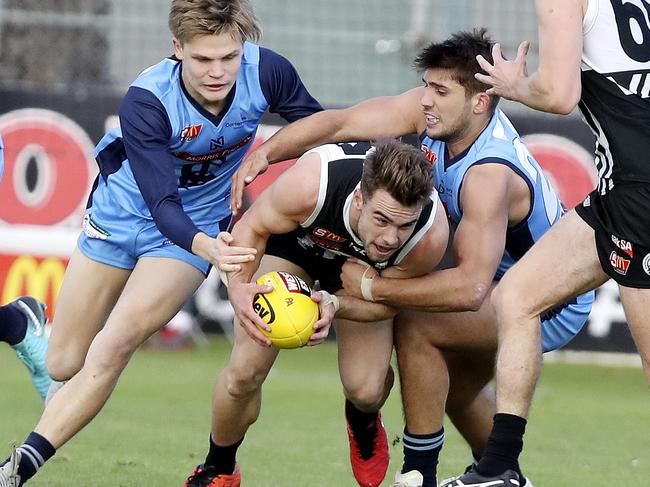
{"x": 367, "y": 395}
{"x": 243, "y": 381}
{"x": 507, "y": 300}
{"x": 110, "y": 353}
{"x": 63, "y": 365}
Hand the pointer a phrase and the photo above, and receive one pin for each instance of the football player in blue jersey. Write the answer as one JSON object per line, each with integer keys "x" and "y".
{"x": 499, "y": 201}
{"x": 151, "y": 228}
{"x": 22, "y": 326}
{"x": 594, "y": 54}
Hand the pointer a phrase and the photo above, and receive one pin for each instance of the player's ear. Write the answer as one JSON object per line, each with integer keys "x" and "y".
{"x": 481, "y": 102}
{"x": 178, "y": 48}
{"x": 357, "y": 199}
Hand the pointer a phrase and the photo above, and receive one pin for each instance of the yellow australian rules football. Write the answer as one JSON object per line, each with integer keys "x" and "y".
{"x": 288, "y": 309}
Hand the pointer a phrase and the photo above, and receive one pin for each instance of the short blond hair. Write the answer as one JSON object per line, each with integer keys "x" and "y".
{"x": 191, "y": 18}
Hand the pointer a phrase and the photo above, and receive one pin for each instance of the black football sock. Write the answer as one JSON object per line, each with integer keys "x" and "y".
{"x": 361, "y": 424}
{"x": 504, "y": 445}
{"x": 221, "y": 459}
{"x": 477, "y": 458}
{"x": 357, "y": 418}
{"x": 33, "y": 454}
{"x": 13, "y": 325}
{"x": 421, "y": 453}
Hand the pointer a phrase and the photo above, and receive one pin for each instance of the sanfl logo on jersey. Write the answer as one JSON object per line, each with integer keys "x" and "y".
{"x": 191, "y": 132}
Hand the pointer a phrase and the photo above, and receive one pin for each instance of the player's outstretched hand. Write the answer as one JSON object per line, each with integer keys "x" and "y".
{"x": 241, "y": 295}
{"x": 230, "y": 257}
{"x": 220, "y": 253}
{"x": 506, "y": 78}
{"x": 254, "y": 164}
{"x": 327, "y": 306}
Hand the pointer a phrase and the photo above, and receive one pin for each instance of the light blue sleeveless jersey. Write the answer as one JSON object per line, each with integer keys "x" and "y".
{"x": 499, "y": 143}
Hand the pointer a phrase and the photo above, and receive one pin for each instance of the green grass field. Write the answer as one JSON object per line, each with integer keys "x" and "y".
{"x": 590, "y": 425}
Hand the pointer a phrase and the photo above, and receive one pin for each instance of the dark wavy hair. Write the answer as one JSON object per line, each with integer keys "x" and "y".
{"x": 458, "y": 55}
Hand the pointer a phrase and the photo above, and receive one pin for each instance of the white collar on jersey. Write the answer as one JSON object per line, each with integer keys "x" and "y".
{"x": 346, "y": 216}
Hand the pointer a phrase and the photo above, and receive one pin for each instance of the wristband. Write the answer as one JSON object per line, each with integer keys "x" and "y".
{"x": 331, "y": 299}
{"x": 366, "y": 285}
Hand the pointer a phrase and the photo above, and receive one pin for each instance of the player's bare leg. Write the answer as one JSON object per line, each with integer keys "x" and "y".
{"x": 427, "y": 345}
{"x": 237, "y": 397}
{"x": 89, "y": 291}
{"x": 364, "y": 356}
{"x": 364, "y": 352}
{"x": 153, "y": 294}
{"x": 471, "y": 402}
{"x": 562, "y": 264}
{"x": 636, "y": 303}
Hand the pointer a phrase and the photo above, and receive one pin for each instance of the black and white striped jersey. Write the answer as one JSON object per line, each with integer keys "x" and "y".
{"x": 615, "y": 100}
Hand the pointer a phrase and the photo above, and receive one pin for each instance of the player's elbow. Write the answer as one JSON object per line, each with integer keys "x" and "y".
{"x": 564, "y": 105}
{"x": 473, "y": 296}
{"x": 556, "y": 93}
{"x": 563, "y": 99}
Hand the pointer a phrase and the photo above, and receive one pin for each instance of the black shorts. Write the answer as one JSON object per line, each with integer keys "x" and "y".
{"x": 621, "y": 222}
{"x": 327, "y": 271}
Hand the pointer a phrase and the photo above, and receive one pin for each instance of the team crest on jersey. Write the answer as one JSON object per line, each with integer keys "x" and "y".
{"x": 217, "y": 143}
{"x": 619, "y": 264}
{"x": 431, "y": 156}
{"x": 191, "y": 132}
{"x": 624, "y": 245}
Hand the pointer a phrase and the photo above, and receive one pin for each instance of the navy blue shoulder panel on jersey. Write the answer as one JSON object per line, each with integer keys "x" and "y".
{"x": 283, "y": 88}
{"x": 146, "y": 131}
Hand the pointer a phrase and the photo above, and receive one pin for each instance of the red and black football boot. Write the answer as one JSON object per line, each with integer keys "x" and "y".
{"x": 205, "y": 477}
{"x": 369, "y": 452}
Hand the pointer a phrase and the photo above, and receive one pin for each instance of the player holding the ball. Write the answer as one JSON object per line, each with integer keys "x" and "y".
{"x": 338, "y": 201}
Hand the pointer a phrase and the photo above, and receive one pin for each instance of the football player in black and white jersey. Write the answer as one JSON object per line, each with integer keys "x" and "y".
{"x": 594, "y": 54}
{"x": 338, "y": 201}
